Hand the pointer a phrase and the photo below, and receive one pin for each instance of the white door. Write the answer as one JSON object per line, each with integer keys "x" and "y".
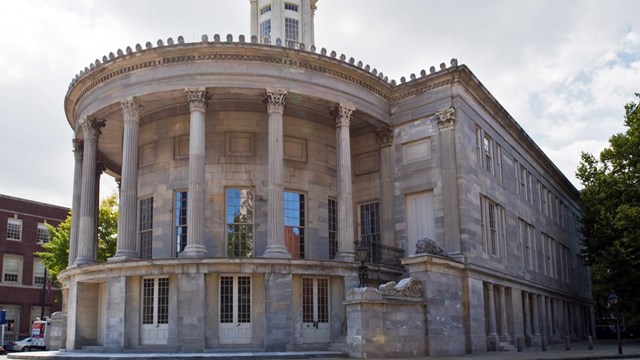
{"x": 315, "y": 310}
{"x": 155, "y": 311}
{"x": 420, "y": 219}
{"x": 235, "y": 310}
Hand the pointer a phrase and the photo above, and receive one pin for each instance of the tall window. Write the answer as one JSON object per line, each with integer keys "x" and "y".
{"x": 14, "y": 229}
{"x": 38, "y": 272}
{"x": 42, "y": 234}
{"x": 239, "y": 222}
{"x": 180, "y": 209}
{"x": 487, "y": 150}
{"x": 493, "y": 222}
{"x": 333, "y": 228}
{"x": 291, "y": 33}
{"x": 265, "y": 30}
{"x": 526, "y": 232}
{"x": 155, "y": 301}
{"x": 294, "y": 223}
{"x": 370, "y": 228}
{"x": 146, "y": 228}
{"x": 12, "y": 268}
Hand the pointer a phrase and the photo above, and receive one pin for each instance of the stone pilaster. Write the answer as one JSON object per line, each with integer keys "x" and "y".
{"x": 197, "y": 98}
{"x": 504, "y": 331}
{"x": 543, "y": 319}
{"x": 88, "y": 211}
{"x": 275, "y": 223}
{"x": 346, "y": 251}
{"x": 526, "y": 315}
{"x": 535, "y": 315}
{"x": 492, "y": 336}
{"x": 446, "y": 124}
{"x": 127, "y": 216}
{"x": 385, "y": 143}
{"x": 76, "y": 201}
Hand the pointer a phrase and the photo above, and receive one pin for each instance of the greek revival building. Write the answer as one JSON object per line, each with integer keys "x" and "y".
{"x": 252, "y": 169}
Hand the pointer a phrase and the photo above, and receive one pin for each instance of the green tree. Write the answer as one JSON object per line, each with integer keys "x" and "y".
{"x": 610, "y": 223}
{"x": 55, "y": 256}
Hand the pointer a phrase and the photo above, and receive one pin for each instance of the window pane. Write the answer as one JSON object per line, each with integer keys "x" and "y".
{"x": 181, "y": 221}
{"x": 370, "y": 228}
{"x": 14, "y": 229}
{"x": 239, "y": 222}
{"x": 294, "y": 222}
{"x": 333, "y": 228}
{"x": 146, "y": 226}
{"x": 43, "y": 234}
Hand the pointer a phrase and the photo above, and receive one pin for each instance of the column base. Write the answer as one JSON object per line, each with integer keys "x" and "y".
{"x": 124, "y": 255}
{"x": 194, "y": 251}
{"x": 536, "y": 340}
{"x": 492, "y": 342}
{"x": 505, "y": 338}
{"x": 279, "y": 252}
{"x": 83, "y": 261}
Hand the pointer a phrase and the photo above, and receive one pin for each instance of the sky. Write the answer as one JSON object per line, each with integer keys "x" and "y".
{"x": 562, "y": 69}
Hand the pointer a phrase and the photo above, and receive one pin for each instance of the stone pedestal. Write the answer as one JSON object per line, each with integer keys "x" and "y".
{"x": 115, "y": 326}
{"x": 278, "y": 294}
{"x": 191, "y": 313}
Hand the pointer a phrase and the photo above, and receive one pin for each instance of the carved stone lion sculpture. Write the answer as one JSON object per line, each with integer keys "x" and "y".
{"x": 428, "y": 246}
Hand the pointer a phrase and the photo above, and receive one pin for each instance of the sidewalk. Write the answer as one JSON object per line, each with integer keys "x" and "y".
{"x": 603, "y": 349}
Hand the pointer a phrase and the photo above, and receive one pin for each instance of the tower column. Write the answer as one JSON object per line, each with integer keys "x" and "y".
{"x": 77, "y": 198}
{"x": 254, "y": 18}
{"x": 346, "y": 250}
{"x": 305, "y": 15}
{"x": 526, "y": 316}
{"x": 504, "y": 332}
{"x": 127, "y": 216}
{"x": 385, "y": 143}
{"x": 195, "y": 248}
{"x": 492, "y": 336}
{"x": 275, "y": 222}
{"x": 88, "y": 210}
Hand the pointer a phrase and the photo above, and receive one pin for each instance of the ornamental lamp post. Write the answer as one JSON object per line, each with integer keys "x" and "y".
{"x": 362, "y": 255}
{"x": 613, "y": 303}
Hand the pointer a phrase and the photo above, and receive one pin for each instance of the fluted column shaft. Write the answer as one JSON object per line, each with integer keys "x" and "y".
{"x": 275, "y": 222}
{"x": 88, "y": 211}
{"x": 254, "y": 19}
{"x": 127, "y": 216}
{"x": 526, "y": 314}
{"x": 385, "y": 143}
{"x": 76, "y": 201}
{"x": 197, "y": 98}
{"x": 535, "y": 315}
{"x": 543, "y": 323}
{"x": 504, "y": 332}
{"x": 492, "y": 310}
{"x": 549, "y": 319}
{"x": 305, "y": 12}
{"x": 346, "y": 250}
{"x": 446, "y": 124}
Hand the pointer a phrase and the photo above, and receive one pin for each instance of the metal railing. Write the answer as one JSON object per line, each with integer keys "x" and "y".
{"x": 380, "y": 254}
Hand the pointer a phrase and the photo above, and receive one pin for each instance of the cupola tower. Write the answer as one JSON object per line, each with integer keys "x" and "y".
{"x": 291, "y": 21}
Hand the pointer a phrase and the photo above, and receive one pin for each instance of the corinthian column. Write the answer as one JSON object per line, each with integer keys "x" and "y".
{"x": 88, "y": 211}
{"x": 195, "y": 204}
{"x": 446, "y": 124}
{"x": 77, "y": 197}
{"x": 254, "y": 19}
{"x": 275, "y": 226}
{"x": 345, "y": 201}
{"x": 385, "y": 143}
{"x": 127, "y": 216}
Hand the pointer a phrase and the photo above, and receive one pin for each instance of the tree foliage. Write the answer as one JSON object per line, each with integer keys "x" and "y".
{"x": 610, "y": 202}
{"x": 55, "y": 256}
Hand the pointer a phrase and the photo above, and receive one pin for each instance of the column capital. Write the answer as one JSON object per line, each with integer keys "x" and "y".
{"x": 100, "y": 168}
{"x": 446, "y": 118}
{"x": 78, "y": 146}
{"x": 275, "y": 100}
{"x": 197, "y": 98}
{"x": 384, "y": 136}
{"x": 91, "y": 126}
{"x": 131, "y": 108}
{"x": 342, "y": 113}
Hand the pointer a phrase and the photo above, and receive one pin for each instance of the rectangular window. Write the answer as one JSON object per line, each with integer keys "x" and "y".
{"x": 499, "y": 161}
{"x": 265, "y": 31}
{"x": 487, "y": 148}
{"x": 265, "y": 9}
{"x": 523, "y": 182}
{"x": 526, "y": 232}
{"x": 370, "y": 231}
{"x": 155, "y": 301}
{"x": 239, "y": 222}
{"x": 333, "y": 228}
{"x": 180, "y": 208}
{"x": 292, "y": 7}
{"x": 294, "y": 223}
{"x": 291, "y": 32}
{"x": 14, "y": 229}
{"x": 12, "y": 268}
{"x": 38, "y": 272}
{"x": 146, "y": 228}
{"x": 493, "y": 222}
{"x": 42, "y": 234}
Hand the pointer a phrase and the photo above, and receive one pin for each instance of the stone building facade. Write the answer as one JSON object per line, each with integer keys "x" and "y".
{"x": 23, "y": 230}
{"x": 250, "y": 171}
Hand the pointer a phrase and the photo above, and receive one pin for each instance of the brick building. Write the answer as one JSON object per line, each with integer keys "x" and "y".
{"x": 22, "y": 232}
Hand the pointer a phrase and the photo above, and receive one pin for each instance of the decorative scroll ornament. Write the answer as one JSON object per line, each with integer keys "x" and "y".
{"x": 275, "y": 100}
{"x": 91, "y": 126}
{"x": 197, "y": 98}
{"x": 343, "y": 113}
{"x": 131, "y": 108}
{"x": 409, "y": 287}
{"x": 446, "y": 118}
{"x": 384, "y": 135}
